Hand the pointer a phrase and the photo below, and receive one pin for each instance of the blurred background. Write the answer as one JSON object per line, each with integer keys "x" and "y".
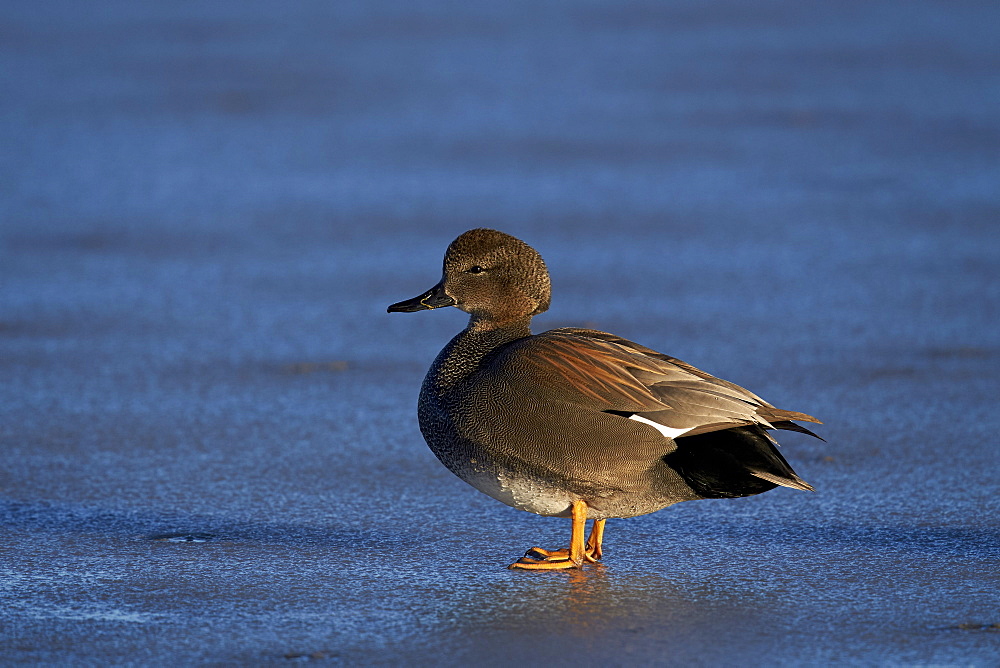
{"x": 207, "y": 419}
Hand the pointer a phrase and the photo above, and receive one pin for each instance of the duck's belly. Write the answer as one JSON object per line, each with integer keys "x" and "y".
{"x": 527, "y": 492}
{"x": 519, "y": 487}
{"x": 521, "y": 491}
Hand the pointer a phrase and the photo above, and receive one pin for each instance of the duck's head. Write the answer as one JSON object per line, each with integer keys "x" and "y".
{"x": 493, "y": 276}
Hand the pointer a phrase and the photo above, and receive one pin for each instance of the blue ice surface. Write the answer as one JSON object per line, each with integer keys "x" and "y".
{"x": 210, "y": 450}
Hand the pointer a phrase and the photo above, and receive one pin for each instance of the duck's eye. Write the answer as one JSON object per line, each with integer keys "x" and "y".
{"x": 475, "y": 269}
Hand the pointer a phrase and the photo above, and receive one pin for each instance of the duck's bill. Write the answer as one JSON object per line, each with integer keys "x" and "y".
{"x": 433, "y": 298}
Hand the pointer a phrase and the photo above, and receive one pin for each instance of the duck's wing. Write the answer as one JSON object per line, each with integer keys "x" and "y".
{"x": 600, "y": 371}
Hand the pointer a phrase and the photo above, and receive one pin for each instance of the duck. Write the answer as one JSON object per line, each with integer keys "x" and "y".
{"x": 579, "y": 423}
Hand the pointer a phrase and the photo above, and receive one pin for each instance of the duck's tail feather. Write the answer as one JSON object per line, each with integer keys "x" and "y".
{"x": 788, "y": 425}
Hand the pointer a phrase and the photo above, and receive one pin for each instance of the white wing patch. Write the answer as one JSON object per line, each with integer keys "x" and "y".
{"x": 669, "y": 432}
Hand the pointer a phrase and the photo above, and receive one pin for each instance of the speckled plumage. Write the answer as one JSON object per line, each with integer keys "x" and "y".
{"x": 541, "y": 421}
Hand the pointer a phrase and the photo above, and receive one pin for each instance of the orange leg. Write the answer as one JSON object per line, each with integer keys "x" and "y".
{"x": 592, "y": 551}
{"x": 560, "y": 559}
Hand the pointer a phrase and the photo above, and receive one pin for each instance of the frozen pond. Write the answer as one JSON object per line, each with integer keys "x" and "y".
{"x": 207, "y": 419}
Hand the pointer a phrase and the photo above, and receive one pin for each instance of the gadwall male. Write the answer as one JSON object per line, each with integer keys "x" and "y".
{"x": 576, "y": 422}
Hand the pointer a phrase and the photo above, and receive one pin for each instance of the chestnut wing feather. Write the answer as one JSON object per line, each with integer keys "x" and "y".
{"x": 608, "y": 373}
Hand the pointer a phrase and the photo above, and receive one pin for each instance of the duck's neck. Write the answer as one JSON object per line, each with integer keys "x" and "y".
{"x": 464, "y": 353}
